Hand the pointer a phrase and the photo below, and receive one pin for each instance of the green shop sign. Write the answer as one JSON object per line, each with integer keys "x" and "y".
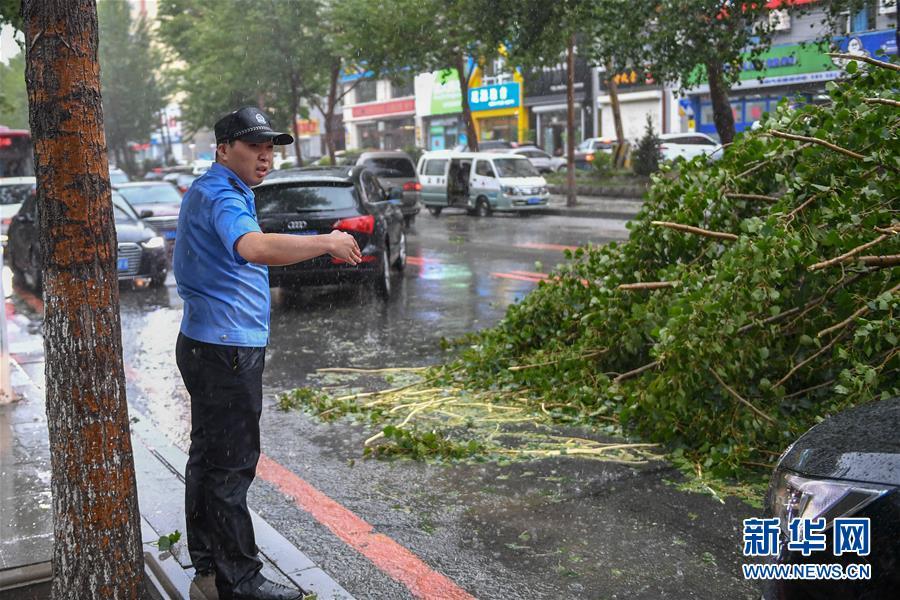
{"x": 791, "y": 63}
{"x": 445, "y": 95}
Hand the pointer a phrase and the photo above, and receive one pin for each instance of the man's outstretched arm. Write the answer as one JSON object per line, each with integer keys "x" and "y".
{"x": 275, "y": 249}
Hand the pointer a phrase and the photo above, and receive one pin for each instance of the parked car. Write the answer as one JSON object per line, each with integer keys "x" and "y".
{"x": 396, "y": 170}
{"x": 181, "y": 178}
{"x": 587, "y": 149}
{"x": 687, "y": 145}
{"x": 481, "y": 182}
{"x": 141, "y": 255}
{"x": 487, "y": 146}
{"x": 540, "y": 160}
{"x": 846, "y": 466}
{"x": 13, "y": 192}
{"x": 117, "y": 176}
{"x": 157, "y": 203}
{"x": 319, "y": 200}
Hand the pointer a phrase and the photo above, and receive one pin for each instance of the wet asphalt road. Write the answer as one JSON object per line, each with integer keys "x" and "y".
{"x": 555, "y": 528}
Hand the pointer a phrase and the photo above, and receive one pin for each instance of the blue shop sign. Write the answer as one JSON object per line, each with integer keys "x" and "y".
{"x": 490, "y": 97}
{"x": 873, "y": 43}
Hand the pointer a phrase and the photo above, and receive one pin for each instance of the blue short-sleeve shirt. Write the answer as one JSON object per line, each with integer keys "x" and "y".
{"x": 226, "y": 299}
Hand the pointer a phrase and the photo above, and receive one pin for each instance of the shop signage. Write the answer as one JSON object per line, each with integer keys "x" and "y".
{"x": 392, "y": 107}
{"x": 438, "y": 93}
{"x": 307, "y": 127}
{"x": 490, "y": 97}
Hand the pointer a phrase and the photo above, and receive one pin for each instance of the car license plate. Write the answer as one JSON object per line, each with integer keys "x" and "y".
{"x": 123, "y": 264}
{"x": 307, "y": 232}
{"x": 534, "y": 201}
{"x": 169, "y": 235}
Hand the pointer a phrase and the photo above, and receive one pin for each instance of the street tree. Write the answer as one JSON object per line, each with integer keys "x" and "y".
{"x": 688, "y": 43}
{"x": 264, "y": 53}
{"x": 395, "y": 38}
{"x": 13, "y": 98}
{"x": 132, "y": 97}
{"x": 97, "y": 542}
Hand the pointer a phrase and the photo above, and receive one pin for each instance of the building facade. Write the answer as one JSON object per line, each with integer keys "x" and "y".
{"x": 547, "y": 105}
{"x": 379, "y": 114}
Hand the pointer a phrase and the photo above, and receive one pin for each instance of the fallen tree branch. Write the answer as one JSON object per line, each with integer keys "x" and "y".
{"x": 856, "y": 314}
{"x": 885, "y": 260}
{"x": 555, "y": 361}
{"x": 865, "y": 59}
{"x": 647, "y": 285}
{"x": 741, "y": 399}
{"x": 767, "y": 321}
{"x": 719, "y": 235}
{"x": 849, "y": 254}
{"x": 885, "y": 101}
{"x": 759, "y": 197}
{"x": 811, "y": 388}
{"x": 812, "y": 140}
{"x": 796, "y": 211}
{"x": 767, "y": 161}
{"x": 808, "y": 360}
{"x": 636, "y": 372}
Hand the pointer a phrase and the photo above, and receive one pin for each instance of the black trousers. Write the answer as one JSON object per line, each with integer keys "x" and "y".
{"x": 225, "y": 385}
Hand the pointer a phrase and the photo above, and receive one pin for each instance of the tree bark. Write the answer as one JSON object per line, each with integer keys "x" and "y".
{"x": 295, "y": 110}
{"x": 571, "y": 199}
{"x": 329, "y": 113}
{"x": 471, "y": 134}
{"x": 718, "y": 93}
{"x": 617, "y": 115}
{"x": 97, "y": 549}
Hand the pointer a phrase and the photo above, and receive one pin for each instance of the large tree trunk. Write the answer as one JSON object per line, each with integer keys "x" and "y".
{"x": 97, "y": 549}
{"x": 329, "y": 113}
{"x": 721, "y": 103}
{"x": 471, "y": 134}
{"x": 617, "y": 115}
{"x": 571, "y": 199}
{"x": 295, "y": 110}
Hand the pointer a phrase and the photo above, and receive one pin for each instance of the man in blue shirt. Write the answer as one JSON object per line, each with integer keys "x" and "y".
{"x": 220, "y": 261}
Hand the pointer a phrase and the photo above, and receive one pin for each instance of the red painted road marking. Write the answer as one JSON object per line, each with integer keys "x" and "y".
{"x": 516, "y": 277}
{"x": 389, "y": 556}
{"x": 386, "y": 554}
{"x": 420, "y": 261}
{"x": 530, "y": 274}
{"x": 539, "y": 246}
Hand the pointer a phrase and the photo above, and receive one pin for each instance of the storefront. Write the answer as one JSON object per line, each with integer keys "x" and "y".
{"x": 498, "y": 113}
{"x": 546, "y": 103}
{"x": 438, "y": 110}
{"x": 382, "y": 125}
{"x": 794, "y": 71}
{"x": 639, "y": 97}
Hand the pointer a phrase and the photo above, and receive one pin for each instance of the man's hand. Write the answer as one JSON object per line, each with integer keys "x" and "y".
{"x": 343, "y": 246}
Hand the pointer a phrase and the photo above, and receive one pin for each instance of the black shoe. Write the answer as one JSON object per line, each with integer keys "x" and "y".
{"x": 269, "y": 590}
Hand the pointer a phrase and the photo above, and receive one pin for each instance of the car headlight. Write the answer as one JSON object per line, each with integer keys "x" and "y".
{"x": 794, "y": 497}
{"x": 508, "y": 189}
{"x": 154, "y": 242}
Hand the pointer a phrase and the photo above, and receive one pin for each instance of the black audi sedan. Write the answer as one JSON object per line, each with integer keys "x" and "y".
{"x": 141, "y": 256}
{"x": 317, "y": 200}
{"x": 845, "y": 470}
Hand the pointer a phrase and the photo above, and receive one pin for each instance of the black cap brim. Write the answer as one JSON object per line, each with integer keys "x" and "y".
{"x": 258, "y": 137}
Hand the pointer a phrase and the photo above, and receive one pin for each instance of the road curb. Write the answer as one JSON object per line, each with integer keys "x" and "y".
{"x": 586, "y": 213}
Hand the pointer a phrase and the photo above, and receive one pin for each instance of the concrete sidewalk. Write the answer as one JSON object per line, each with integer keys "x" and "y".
{"x": 26, "y": 528}
{"x": 593, "y": 207}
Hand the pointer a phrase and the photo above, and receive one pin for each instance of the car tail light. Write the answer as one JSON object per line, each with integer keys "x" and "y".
{"x": 365, "y": 224}
{"x": 7, "y": 220}
{"x": 589, "y": 157}
{"x": 412, "y": 186}
{"x": 663, "y": 147}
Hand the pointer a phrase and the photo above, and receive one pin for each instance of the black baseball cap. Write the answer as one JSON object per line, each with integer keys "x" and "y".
{"x": 249, "y": 124}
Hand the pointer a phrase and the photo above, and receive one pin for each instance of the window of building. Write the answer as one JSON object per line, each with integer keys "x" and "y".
{"x": 366, "y": 91}
{"x": 403, "y": 88}
{"x": 495, "y": 71}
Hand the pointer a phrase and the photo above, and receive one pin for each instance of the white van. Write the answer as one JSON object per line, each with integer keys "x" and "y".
{"x": 480, "y": 182}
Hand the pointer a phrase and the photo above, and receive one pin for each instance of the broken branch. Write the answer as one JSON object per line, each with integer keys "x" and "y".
{"x": 741, "y": 399}
{"x": 759, "y": 197}
{"x": 865, "y": 59}
{"x": 812, "y": 140}
{"x": 885, "y": 260}
{"x": 885, "y": 101}
{"x": 849, "y": 254}
{"x": 636, "y": 372}
{"x": 719, "y": 235}
{"x": 647, "y": 285}
{"x": 856, "y": 314}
